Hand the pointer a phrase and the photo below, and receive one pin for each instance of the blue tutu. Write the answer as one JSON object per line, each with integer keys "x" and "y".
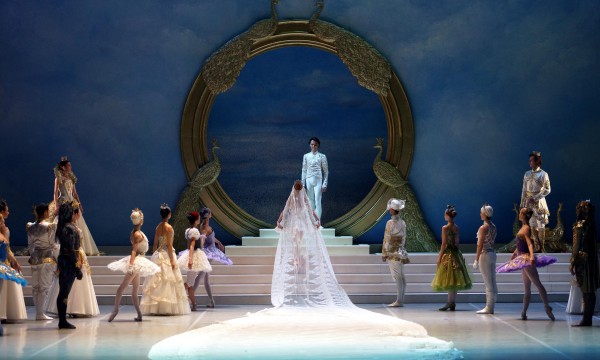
{"x": 8, "y": 273}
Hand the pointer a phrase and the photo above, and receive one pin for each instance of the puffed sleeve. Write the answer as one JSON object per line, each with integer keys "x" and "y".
{"x": 193, "y": 233}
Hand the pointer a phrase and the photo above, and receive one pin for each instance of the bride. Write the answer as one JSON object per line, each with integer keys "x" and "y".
{"x": 312, "y": 315}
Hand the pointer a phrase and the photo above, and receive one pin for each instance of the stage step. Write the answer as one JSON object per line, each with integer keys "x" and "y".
{"x": 365, "y": 278}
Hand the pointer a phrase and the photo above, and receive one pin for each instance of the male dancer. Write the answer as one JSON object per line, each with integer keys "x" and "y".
{"x": 536, "y": 186}
{"x": 315, "y": 172}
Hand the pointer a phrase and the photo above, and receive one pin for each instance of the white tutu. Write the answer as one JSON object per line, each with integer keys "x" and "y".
{"x": 141, "y": 265}
{"x": 12, "y": 302}
{"x": 200, "y": 261}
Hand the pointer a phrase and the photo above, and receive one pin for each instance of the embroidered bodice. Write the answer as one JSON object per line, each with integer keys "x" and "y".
{"x": 451, "y": 239}
{"x": 210, "y": 240}
{"x": 315, "y": 165}
{"x": 490, "y": 237}
{"x": 142, "y": 246}
{"x": 65, "y": 188}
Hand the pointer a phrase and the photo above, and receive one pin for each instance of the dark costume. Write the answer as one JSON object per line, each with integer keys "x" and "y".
{"x": 584, "y": 260}
{"x": 68, "y": 268}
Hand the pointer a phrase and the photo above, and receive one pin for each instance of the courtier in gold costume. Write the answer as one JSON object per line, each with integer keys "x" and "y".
{"x": 584, "y": 261}
{"x": 43, "y": 248}
{"x": 393, "y": 250}
{"x": 536, "y": 186}
{"x": 315, "y": 172}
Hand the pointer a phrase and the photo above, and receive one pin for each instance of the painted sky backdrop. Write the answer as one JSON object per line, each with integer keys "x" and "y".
{"x": 488, "y": 81}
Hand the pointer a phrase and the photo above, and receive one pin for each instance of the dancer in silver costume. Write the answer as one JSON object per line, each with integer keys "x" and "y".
{"x": 315, "y": 172}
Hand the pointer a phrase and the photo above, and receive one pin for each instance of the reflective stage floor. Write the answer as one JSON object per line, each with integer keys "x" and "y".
{"x": 499, "y": 336}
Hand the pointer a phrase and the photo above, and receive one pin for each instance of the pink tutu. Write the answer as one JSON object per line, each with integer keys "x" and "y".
{"x": 522, "y": 260}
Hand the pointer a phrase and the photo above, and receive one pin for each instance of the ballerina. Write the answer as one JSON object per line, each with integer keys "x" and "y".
{"x": 12, "y": 301}
{"x": 164, "y": 293}
{"x": 133, "y": 266}
{"x": 524, "y": 259}
{"x": 7, "y": 274}
{"x": 196, "y": 265}
{"x": 65, "y": 191}
{"x": 452, "y": 274}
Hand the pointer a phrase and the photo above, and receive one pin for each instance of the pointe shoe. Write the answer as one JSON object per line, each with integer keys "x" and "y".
{"x": 396, "y": 304}
{"x": 65, "y": 325}
{"x": 193, "y": 306}
{"x": 211, "y": 305}
{"x": 448, "y": 306}
{"x": 549, "y": 312}
{"x": 485, "y": 311}
{"x": 112, "y": 316}
{"x": 523, "y": 315}
{"x": 138, "y": 319}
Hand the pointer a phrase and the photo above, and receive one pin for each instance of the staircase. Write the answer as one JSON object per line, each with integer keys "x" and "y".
{"x": 364, "y": 276}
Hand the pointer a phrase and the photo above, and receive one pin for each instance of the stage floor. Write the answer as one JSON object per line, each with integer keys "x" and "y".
{"x": 499, "y": 336}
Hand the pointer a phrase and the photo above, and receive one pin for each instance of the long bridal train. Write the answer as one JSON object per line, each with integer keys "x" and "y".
{"x": 313, "y": 316}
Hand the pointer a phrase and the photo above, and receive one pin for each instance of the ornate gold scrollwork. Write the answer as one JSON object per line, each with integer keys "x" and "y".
{"x": 369, "y": 67}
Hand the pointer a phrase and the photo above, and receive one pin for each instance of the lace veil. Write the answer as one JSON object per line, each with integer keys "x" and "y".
{"x": 303, "y": 275}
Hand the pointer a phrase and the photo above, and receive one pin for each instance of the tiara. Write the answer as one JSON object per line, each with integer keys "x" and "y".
{"x": 64, "y": 158}
{"x": 164, "y": 206}
{"x": 536, "y": 153}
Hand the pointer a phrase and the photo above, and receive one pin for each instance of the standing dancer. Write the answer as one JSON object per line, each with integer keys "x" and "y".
{"x": 193, "y": 260}
{"x": 65, "y": 191}
{"x": 536, "y": 186}
{"x": 393, "y": 250}
{"x": 213, "y": 253}
{"x": 315, "y": 172}
{"x": 68, "y": 261}
{"x": 452, "y": 274}
{"x": 12, "y": 301}
{"x": 7, "y": 274}
{"x": 42, "y": 248}
{"x": 524, "y": 259}
{"x": 133, "y": 266}
{"x": 584, "y": 260}
{"x": 485, "y": 258}
{"x": 164, "y": 293}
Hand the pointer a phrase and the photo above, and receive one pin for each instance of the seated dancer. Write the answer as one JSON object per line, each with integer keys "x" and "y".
{"x": 42, "y": 248}
{"x": 393, "y": 250}
{"x": 133, "y": 266}
{"x": 68, "y": 261}
{"x": 313, "y": 316}
{"x": 525, "y": 259}
{"x": 193, "y": 260}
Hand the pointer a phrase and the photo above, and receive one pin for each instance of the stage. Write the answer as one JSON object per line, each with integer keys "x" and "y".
{"x": 499, "y": 336}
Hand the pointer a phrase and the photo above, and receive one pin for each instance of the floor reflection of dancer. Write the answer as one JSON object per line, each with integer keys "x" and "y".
{"x": 193, "y": 260}
{"x": 393, "y": 251}
{"x": 584, "y": 260}
{"x": 452, "y": 274}
{"x": 536, "y": 186}
{"x": 7, "y": 274}
{"x": 133, "y": 266}
{"x": 485, "y": 258}
{"x": 81, "y": 301}
{"x": 42, "y": 246}
{"x": 315, "y": 172}
{"x": 164, "y": 293}
{"x": 65, "y": 191}
{"x": 12, "y": 301}
{"x": 525, "y": 259}
{"x": 68, "y": 261}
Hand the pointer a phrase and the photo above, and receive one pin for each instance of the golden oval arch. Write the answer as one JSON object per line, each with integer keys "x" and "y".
{"x": 195, "y": 147}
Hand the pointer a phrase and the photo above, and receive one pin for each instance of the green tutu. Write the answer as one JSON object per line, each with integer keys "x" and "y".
{"x": 452, "y": 274}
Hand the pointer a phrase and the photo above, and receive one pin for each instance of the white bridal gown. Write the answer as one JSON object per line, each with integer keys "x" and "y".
{"x": 313, "y": 318}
